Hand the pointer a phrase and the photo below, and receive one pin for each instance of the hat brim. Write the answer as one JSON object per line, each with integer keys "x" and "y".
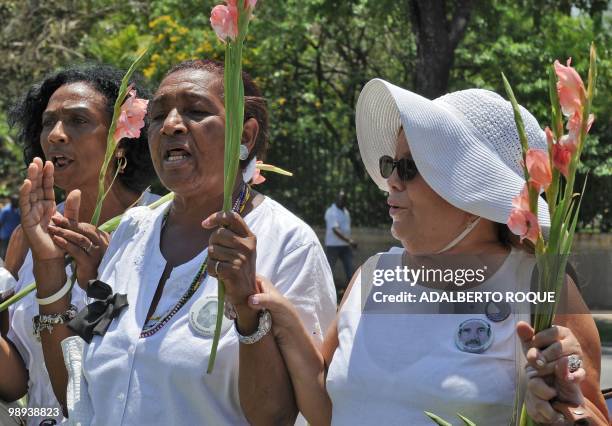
{"x": 458, "y": 166}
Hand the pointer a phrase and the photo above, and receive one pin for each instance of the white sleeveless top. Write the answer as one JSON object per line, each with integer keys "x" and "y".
{"x": 390, "y": 368}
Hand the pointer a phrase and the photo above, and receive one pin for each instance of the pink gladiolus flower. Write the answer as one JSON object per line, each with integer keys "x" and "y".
{"x": 524, "y": 224}
{"x": 521, "y": 201}
{"x": 561, "y": 157}
{"x": 538, "y": 167}
{"x": 224, "y": 20}
{"x": 574, "y": 125}
{"x": 257, "y": 176}
{"x": 570, "y": 88}
{"x": 131, "y": 119}
{"x": 521, "y": 221}
{"x": 550, "y": 138}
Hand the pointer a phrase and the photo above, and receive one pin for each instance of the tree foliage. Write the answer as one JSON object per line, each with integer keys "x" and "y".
{"x": 312, "y": 58}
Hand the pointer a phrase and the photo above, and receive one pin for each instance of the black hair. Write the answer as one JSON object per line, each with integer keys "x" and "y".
{"x": 26, "y": 116}
{"x": 254, "y": 102}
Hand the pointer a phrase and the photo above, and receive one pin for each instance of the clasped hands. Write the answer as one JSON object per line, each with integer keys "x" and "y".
{"x": 549, "y": 377}
{"x": 50, "y": 234}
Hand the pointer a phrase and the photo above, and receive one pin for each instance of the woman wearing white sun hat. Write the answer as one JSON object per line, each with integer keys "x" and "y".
{"x": 451, "y": 167}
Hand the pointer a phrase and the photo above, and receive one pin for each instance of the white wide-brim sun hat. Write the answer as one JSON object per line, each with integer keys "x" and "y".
{"x": 464, "y": 144}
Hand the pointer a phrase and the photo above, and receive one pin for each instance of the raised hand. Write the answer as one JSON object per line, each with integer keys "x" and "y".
{"x": 83, "y": 241}
{"x": 37, "y": 204}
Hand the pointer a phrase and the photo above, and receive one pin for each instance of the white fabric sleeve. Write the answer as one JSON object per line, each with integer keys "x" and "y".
{"x": 305, "y": 279}
{"x": 331, "y": 218}
{"x": 78, "y": 402}
{"x": 7, "y": 281}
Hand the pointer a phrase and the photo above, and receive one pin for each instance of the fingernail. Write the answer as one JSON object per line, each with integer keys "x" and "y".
{"x": 254, "y": 300}
{"x": 205, "y": 223}
{"x": 540, "y": 362}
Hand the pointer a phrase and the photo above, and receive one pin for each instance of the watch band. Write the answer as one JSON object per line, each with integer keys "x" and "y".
{"x": 263, "y": 328}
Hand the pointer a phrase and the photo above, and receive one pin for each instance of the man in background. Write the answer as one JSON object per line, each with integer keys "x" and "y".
{"x": 338, "y": 241}
{"x": 9, "y": 219}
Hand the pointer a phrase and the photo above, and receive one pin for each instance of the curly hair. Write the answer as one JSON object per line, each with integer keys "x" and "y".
{"x": 26, "y": 116}
{"x": 254, "y": 102}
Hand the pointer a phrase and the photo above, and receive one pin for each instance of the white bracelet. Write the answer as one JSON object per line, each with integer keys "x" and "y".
{"x": 57, "y": 296}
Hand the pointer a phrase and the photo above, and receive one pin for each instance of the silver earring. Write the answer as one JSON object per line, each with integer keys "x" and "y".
{"x": 244, "y": 152}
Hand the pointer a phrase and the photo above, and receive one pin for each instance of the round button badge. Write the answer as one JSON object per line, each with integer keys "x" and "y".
{"x": 474, "y": 336}
{"x": 203, "y": 317}
{"x": 497, "y": 312}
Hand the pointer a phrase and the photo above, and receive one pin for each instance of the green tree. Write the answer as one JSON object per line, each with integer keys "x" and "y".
{"x": 311, "y": 58}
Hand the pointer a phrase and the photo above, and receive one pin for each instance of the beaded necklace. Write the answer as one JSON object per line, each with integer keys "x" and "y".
{"x": 153, "y": 325}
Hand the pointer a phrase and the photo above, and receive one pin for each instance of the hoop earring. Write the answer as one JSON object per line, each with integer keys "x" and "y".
{"x": 121, "y": 164}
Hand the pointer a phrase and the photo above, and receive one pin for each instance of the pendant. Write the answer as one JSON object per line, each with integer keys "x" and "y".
{"x": 203, "y": 317}
{"x": 497, "y": 312}
{"x": 474, "y": 336}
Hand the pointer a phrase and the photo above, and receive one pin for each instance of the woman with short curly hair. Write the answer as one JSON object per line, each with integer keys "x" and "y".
{"x": 65, "y": 119}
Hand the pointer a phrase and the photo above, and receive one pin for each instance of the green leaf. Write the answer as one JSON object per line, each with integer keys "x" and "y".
{"x": 437, "y": 419}
{"x": 466, "y": 421}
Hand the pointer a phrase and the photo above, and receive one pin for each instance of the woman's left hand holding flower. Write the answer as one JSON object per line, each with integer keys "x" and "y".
{"x": 231, "y": 258}
{"x": 549, "y": 376}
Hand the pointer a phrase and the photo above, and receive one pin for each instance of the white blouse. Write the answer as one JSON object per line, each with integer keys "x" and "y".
{"x": 40, "y": 392}
{"x": 162, "y": 379}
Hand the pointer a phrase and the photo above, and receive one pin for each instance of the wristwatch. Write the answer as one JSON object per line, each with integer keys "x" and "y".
{"x": 263, "y": 328}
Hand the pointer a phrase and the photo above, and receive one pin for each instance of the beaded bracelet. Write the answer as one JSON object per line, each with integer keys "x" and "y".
{"x": 47, "y": 322}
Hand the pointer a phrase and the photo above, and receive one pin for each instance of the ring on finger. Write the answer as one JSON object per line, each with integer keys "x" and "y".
{"x": 89, "y": 247}
{"x": 217, "y": 267}
{"x": 574, "y": 363}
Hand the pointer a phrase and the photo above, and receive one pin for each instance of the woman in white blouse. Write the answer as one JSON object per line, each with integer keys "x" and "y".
{"x": 65, "y": 118}
{"x": 149, "y": 365}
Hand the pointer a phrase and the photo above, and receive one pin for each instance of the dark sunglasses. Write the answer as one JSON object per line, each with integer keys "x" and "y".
{"x": 406, "y": 169}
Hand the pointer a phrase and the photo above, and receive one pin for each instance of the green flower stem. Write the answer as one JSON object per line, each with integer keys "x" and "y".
{"x": 271, "y": 168}
{"x": 234, "y": 122}
{"x": 111, "y": 144}
{"x": 551, "y": 257}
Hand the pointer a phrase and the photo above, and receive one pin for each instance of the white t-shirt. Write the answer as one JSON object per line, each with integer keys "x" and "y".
{"x": 337, "y": 218}
{"x": 40, "y": 392}
{"x": 162, "y": 379}
{"x": 391, "y": 367}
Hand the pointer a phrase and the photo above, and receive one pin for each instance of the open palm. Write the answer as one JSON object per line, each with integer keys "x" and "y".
{"x": 37, "y": 203}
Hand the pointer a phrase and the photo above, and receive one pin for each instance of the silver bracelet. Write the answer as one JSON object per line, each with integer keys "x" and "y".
{"x": 263, "y": 328}
{"x": 47, "y": 322}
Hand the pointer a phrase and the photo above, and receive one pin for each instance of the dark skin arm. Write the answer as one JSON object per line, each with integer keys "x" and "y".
{"x": 37, "y": 203}
{"x": 13, "y": 374}
{"x": 15, "y": 255}
{"x": 343, "y": 237}
{"x": 16, "y": 252}
{"x": 266, "y": 392}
